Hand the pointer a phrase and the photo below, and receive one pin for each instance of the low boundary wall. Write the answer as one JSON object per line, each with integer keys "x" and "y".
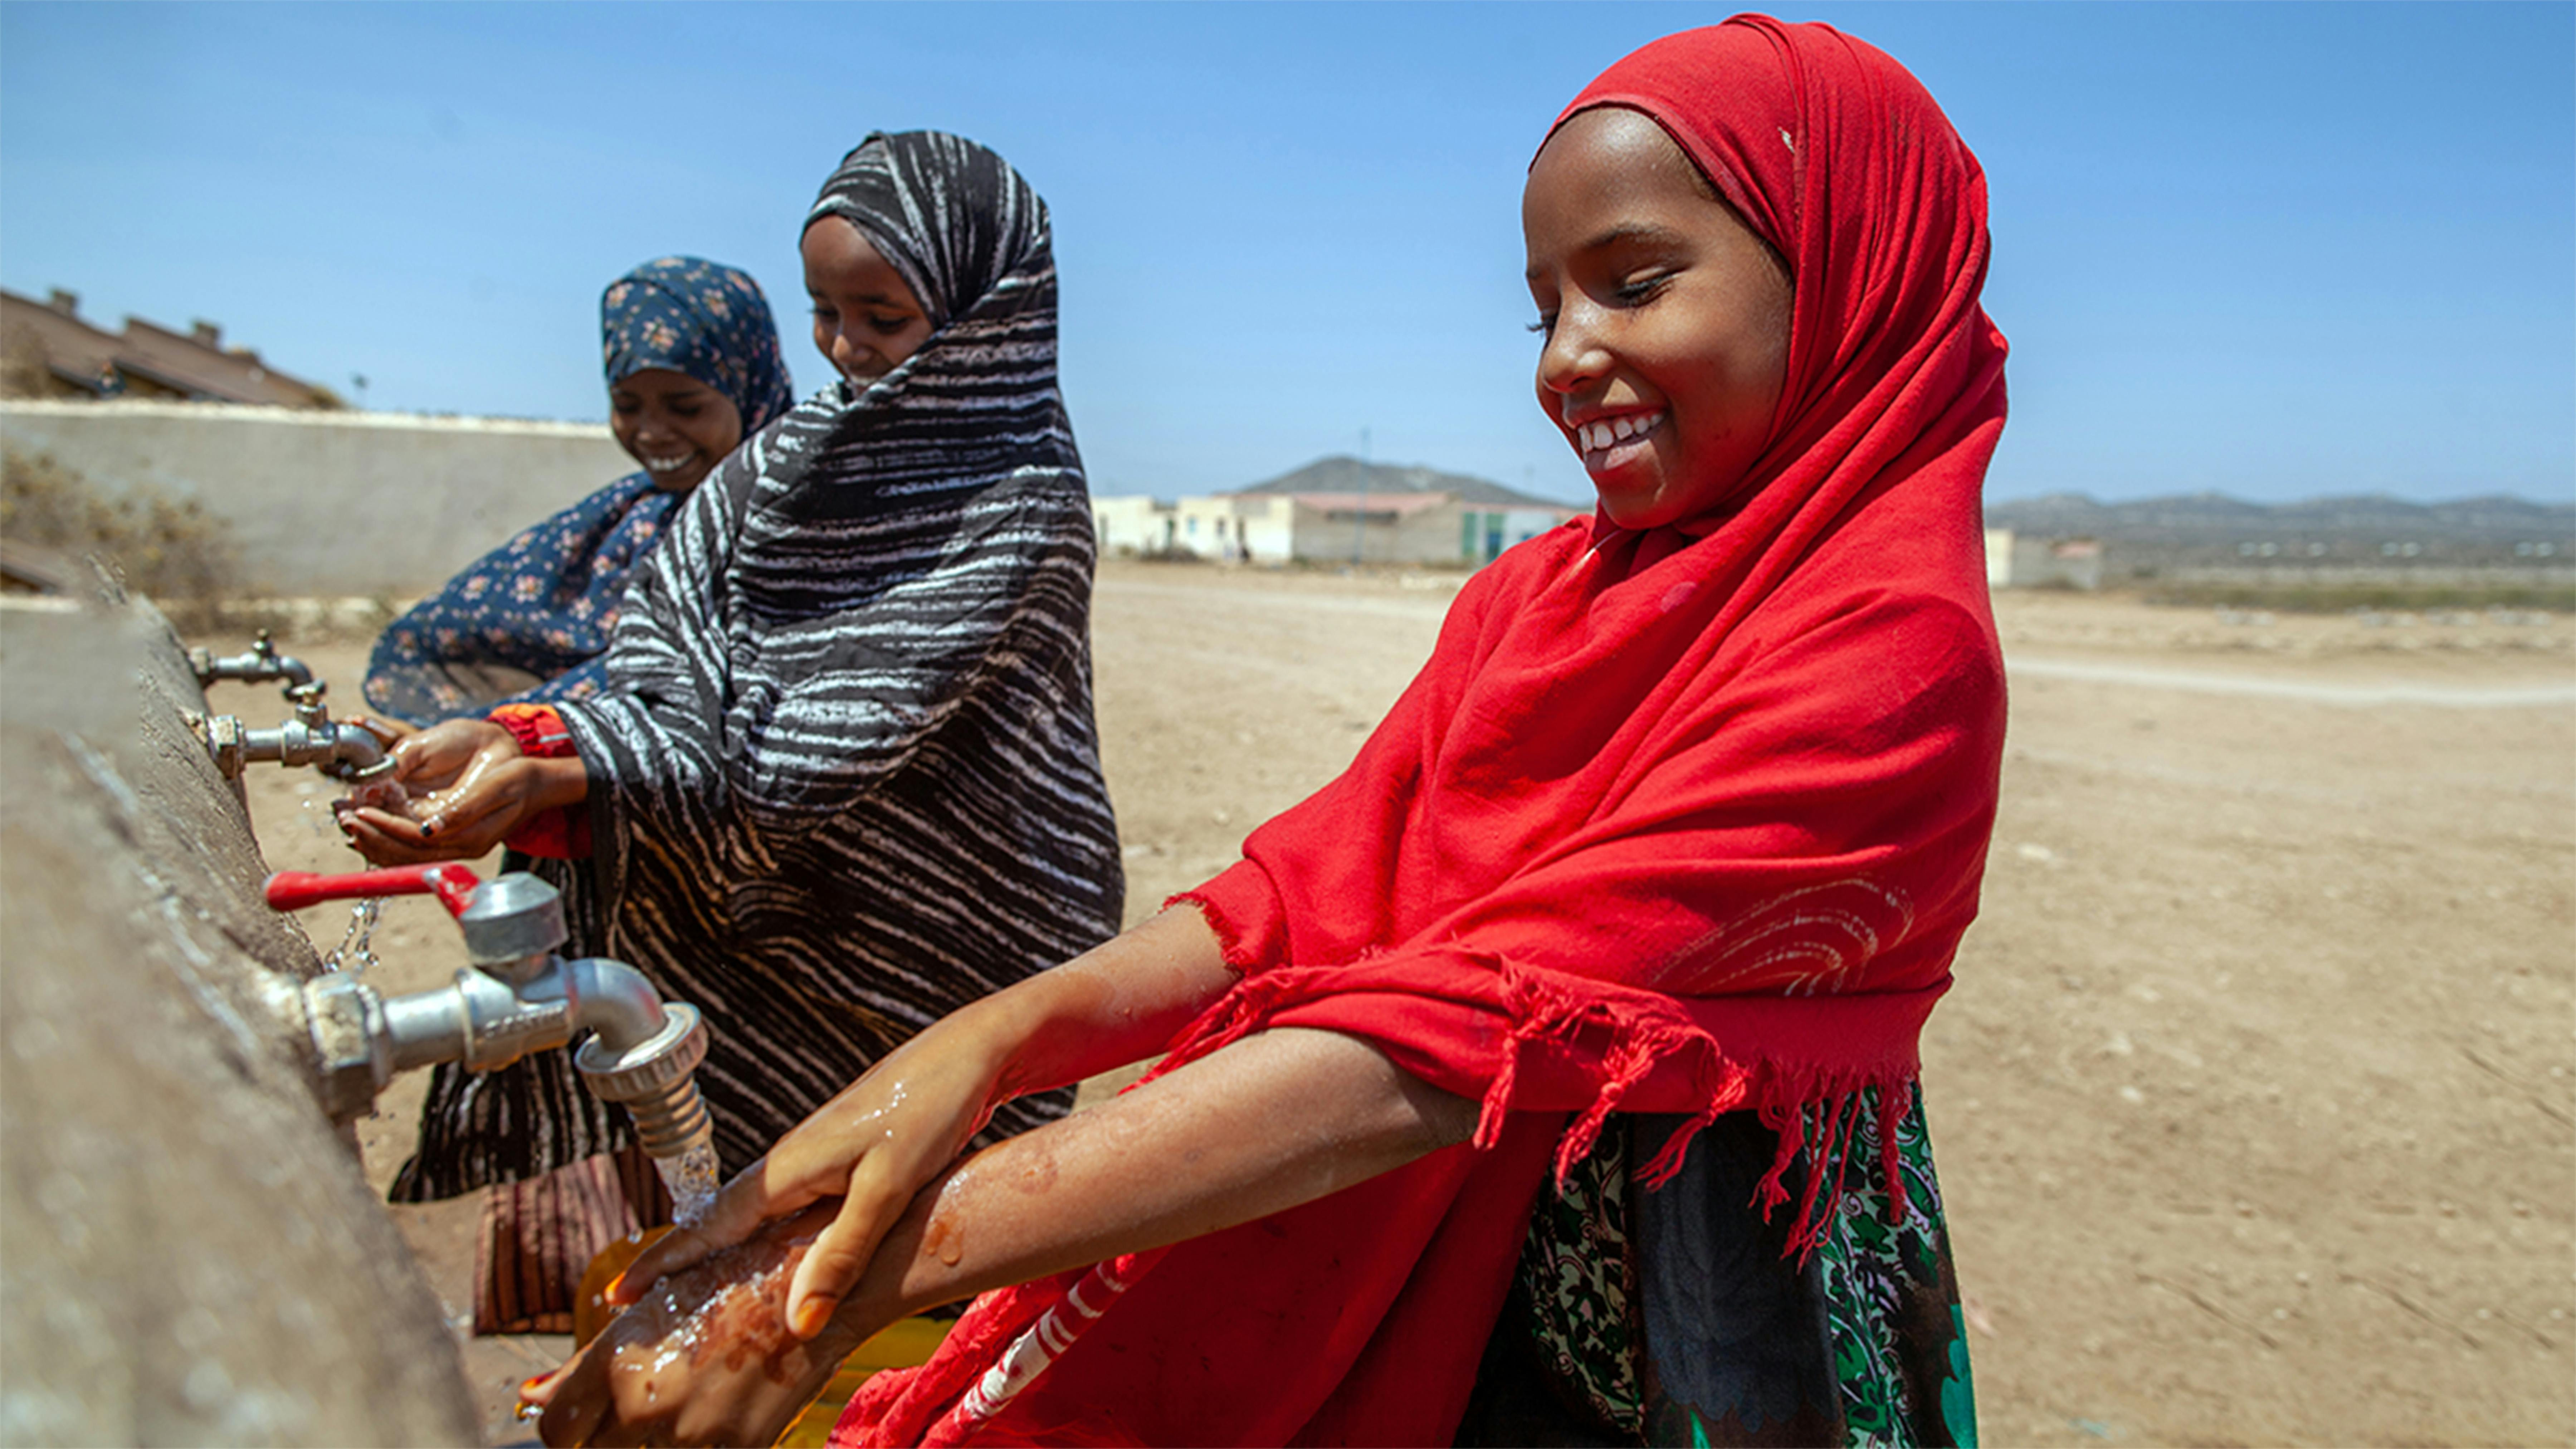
{"x": 377, "y": 505}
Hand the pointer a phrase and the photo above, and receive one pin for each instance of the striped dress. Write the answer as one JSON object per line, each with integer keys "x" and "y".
{"x": 846, "y": 778}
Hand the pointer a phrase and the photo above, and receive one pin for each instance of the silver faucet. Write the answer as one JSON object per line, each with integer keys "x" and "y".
{"x": 518, "y": 997}
{"x": 259, "y": 664}
{"x": 337, "y": 748}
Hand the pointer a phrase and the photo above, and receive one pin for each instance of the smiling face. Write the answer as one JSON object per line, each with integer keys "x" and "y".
{"x": 676, "y": 426}
{"x": 865, "y": 319}
{"x": 1666, "y": 318}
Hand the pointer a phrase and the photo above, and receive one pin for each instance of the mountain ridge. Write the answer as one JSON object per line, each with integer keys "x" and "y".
{"x": 1342, "y": 473}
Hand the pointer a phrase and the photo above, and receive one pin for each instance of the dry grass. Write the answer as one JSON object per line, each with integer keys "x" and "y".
{"x": 168, "y": 548}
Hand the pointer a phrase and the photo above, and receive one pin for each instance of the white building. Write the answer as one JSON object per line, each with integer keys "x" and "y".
{"x": 1405, "y": 516}
{"x": 2016, "y": 562}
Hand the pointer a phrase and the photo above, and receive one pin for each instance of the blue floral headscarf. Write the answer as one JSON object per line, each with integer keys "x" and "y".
{"x": 701, "y": 319}
{"x": 530, "y": 622}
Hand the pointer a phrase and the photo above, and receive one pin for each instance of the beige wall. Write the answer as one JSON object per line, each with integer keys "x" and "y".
{"x": 1428, "y": 535}
{"x": 370, "y": 504}
{"x": 192, "y": 1252}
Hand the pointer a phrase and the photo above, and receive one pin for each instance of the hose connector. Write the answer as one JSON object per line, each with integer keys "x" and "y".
{"x": 656, "y": 1079}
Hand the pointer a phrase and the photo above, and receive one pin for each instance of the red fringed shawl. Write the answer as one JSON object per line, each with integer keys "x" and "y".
{"x": 1688, "y": 820}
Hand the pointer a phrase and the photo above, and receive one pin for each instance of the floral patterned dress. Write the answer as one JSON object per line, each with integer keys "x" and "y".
{"x": 529, "y": 622}
{"x": 1671, "y": 1316}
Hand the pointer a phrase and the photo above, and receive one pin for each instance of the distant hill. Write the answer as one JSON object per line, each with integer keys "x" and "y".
{"x": 2216, "y": 512}
{"x": 1344, "y": 474}
{"x": 2367, "y": 528}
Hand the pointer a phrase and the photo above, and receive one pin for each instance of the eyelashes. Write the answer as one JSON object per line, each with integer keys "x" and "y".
{"x": 882, "y": 326}
{"x": 1644, "y": 289}
{"x": 1636, "y": 293}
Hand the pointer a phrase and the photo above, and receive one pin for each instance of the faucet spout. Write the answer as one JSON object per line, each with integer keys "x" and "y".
{"x": 338, "y": 748}
{"x": 614, "y": 1000}
{"x": 519, "y": 998}
{"x": 655, "y": 1077}
{"x": 259, "y": 664}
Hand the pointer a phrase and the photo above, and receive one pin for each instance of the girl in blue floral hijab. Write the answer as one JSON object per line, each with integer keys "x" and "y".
{"x": 693, "y": 369}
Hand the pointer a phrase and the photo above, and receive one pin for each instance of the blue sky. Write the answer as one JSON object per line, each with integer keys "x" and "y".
{"x": 2278, "y": 251}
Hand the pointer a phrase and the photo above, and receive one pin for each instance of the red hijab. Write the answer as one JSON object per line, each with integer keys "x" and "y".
{"x": 1688, "y": 816}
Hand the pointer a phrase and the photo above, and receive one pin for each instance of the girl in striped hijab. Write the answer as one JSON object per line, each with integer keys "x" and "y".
{"x": 844, "y": 777}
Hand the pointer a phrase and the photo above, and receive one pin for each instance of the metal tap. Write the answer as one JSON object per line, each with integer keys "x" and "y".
{"x": 337, "y": 748}
{"x": 518, "y": 997}
{"x": 259, "y": 664}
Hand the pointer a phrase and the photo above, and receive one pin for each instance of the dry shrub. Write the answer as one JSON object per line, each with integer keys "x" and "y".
{"x": 23, "y": 372}
{"x": 2345, "y": 598}
{"x": 168, "y": 548}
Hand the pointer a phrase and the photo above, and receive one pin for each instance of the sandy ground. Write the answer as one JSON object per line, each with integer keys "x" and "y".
{"x": 2253, "y": 1103}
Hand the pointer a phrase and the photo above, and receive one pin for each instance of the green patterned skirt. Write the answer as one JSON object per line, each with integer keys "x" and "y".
{"x": 1671, "y": 1316}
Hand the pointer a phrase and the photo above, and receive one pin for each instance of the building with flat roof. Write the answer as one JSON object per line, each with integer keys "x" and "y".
{"x": 1335, "y": 510}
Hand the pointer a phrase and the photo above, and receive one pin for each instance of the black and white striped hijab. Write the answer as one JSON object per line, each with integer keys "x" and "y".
{"x": 960, "y": 225}
{"x": 846, "y": 778}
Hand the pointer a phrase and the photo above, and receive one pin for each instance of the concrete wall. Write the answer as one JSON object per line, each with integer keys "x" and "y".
{"x": 1432, "y": 535}
{"x": 189, "y": 1253}
{"x": 2028, "y": 561}
{"x": 380, "y": 505}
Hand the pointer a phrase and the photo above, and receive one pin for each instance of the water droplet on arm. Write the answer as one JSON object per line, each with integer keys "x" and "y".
{"x": 944, "y": 1240}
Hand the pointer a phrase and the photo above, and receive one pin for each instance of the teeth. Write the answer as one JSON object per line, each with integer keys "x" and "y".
{"x": 1599, "y": 437}
{"x": 665, "y": 465}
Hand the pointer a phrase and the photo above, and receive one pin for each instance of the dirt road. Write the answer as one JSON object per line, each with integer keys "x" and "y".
{"x": 2253, "y": 1102}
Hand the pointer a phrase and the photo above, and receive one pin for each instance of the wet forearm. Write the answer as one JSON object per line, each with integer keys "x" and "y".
{"x": 1266, "y": 1124}
{"x": 1120, "y": 1002}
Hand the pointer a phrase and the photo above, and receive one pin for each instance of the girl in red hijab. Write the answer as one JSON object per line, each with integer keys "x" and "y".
{"x": 1550, "y": 1075}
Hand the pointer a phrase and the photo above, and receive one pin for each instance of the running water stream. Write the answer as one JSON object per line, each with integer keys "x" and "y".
{"x": 691, "y": 1178}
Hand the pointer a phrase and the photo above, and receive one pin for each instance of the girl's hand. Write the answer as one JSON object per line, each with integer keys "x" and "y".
{"x": 390, "y": 731}
{"x": 703, "y": 1358}
{"x": 879, "y": 1143}
{"x": 872, "y": 1147}
{"x": 440, "y": 756}
{"x": 470, "y": 788}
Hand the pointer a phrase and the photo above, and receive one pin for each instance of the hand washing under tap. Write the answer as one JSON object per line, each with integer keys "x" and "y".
{"x": 342, "y": 749}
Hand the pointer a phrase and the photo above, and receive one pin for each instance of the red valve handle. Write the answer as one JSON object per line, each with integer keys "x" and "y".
{"x": 293, "y": 890}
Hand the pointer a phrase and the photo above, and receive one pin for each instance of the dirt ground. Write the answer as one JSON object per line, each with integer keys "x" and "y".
{"x": 2253, "y": 1103}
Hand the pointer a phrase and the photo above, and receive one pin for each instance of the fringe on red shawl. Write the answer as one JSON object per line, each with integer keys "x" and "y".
{"x": 1811, "y": 1108}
